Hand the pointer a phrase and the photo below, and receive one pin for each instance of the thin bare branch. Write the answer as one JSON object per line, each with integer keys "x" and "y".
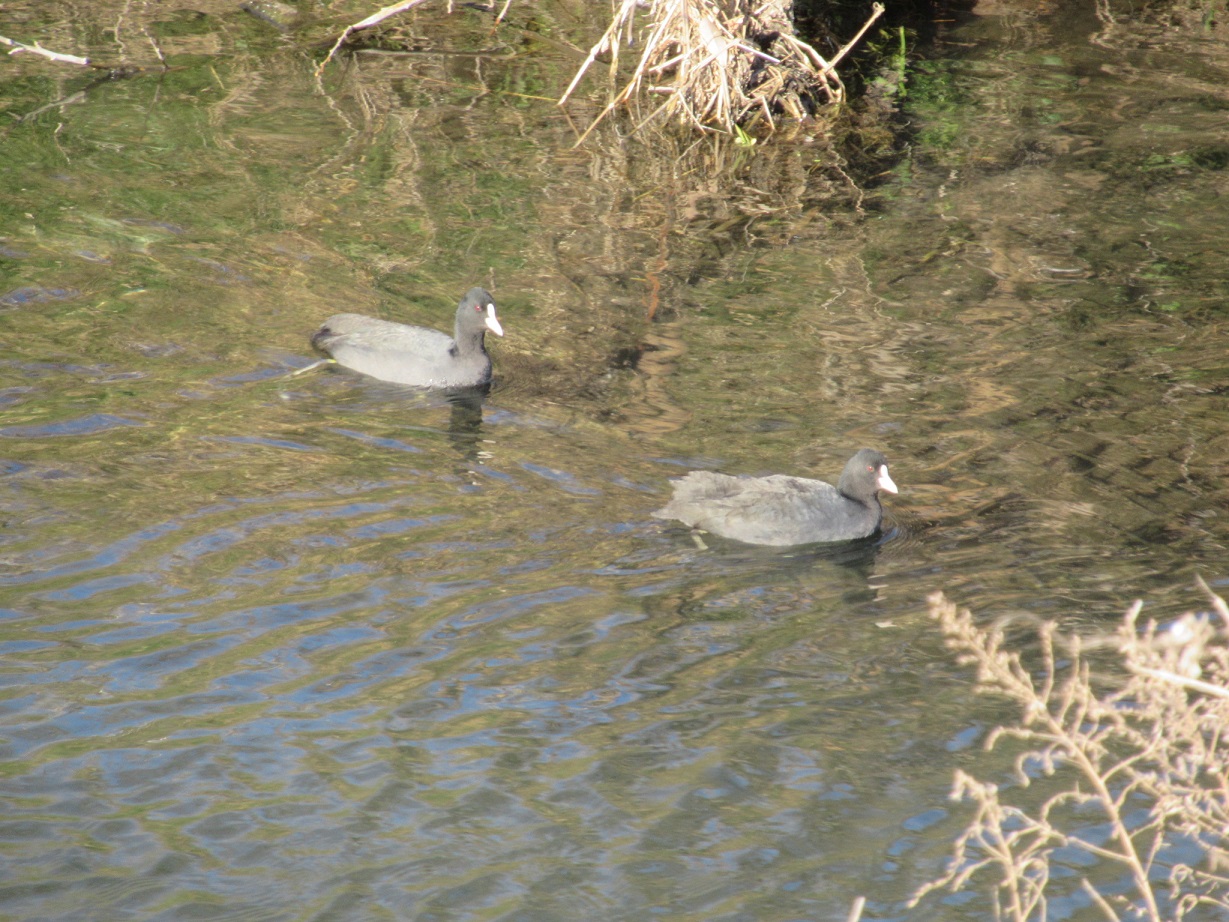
{"x": 374, "y": 19}
{"x": 1193, "y": 684}
{"x": 876, "y": 12}
{"x": 1101, "y": 901}
{"x": 1218, "y": 604}
{"x": 38, "y": 49}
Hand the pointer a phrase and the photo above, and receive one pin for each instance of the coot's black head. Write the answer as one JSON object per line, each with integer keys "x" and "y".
{"x": 865, "y": 475}
{"x": 476, "y": 314}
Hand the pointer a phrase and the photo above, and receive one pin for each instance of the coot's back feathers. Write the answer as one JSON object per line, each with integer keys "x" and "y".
{"x": 781, "y": 510}
{"x": 405, "y": 354}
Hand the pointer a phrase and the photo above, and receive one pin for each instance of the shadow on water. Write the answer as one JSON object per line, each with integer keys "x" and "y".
{"x": 857, "y": 557}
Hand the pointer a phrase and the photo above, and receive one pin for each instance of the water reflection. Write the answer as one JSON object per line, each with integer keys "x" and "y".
{"x": 465, "y": 424}
{"x": 464, "y": 428}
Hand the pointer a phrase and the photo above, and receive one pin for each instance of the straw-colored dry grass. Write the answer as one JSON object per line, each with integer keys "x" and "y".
{"x": 716, "y": 64}
{"x": 1140, "y": 762}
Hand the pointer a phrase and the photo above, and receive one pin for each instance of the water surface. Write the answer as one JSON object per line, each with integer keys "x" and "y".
{"x": 316, "y": 647}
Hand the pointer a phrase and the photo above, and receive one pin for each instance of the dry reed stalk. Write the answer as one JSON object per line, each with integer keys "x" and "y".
{"x": 707, "y": 58}
{"x": 712, "y": 54}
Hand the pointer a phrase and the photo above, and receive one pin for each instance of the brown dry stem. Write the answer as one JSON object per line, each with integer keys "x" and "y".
{"x": 716, "y": 63}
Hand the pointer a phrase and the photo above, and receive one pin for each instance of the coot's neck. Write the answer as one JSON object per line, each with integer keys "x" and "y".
{"x": 871, "y": 501}
{"x": 469, "y": 342}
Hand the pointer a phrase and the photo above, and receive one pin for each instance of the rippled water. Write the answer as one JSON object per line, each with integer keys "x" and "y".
{"x": 314, "y": 647}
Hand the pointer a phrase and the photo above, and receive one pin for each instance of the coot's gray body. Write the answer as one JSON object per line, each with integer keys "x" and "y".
{"x": 413, "y": 355}
{"x": 782, "y": 510}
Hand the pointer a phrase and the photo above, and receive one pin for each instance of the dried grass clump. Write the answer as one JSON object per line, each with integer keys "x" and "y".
{"x": 1149, "y": 754}
{"x": 718, "y": 63}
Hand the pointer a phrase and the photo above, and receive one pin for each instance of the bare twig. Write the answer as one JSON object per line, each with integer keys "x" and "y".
{"x": 1101, "y": 902}
{"x": 876, "y": 12}
{"x": 1193, "y": 684}
{"x": 374, "y": 19}
{"x": 36, "y": 48}
{"x": 622, "y": 17}
{"x": 1218, "y": 604}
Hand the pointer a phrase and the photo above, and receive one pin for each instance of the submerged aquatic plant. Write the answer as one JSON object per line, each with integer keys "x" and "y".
{"x": 1145, "y": 752}
{"x": 894, "y": 53}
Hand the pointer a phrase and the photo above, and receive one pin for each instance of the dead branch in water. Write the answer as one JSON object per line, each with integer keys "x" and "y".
{"x": 374, "y": 19}
{"x": 716, "y": 65}
{"x": 36, "y": 48}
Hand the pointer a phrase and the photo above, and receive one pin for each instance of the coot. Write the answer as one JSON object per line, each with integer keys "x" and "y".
{"x": 782, "y": 510}
{"x": 407, "y": 354}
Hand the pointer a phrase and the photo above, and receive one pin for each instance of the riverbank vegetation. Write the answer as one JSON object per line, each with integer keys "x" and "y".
{"x": 712, "y": 65}
{"x": 720, "y": 65}
{"x": 1127, "y": 734}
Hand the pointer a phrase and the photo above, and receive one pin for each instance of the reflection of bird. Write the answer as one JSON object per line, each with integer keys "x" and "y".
{"x": 406, "y": 354}
{"x": 782, "y": 510}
